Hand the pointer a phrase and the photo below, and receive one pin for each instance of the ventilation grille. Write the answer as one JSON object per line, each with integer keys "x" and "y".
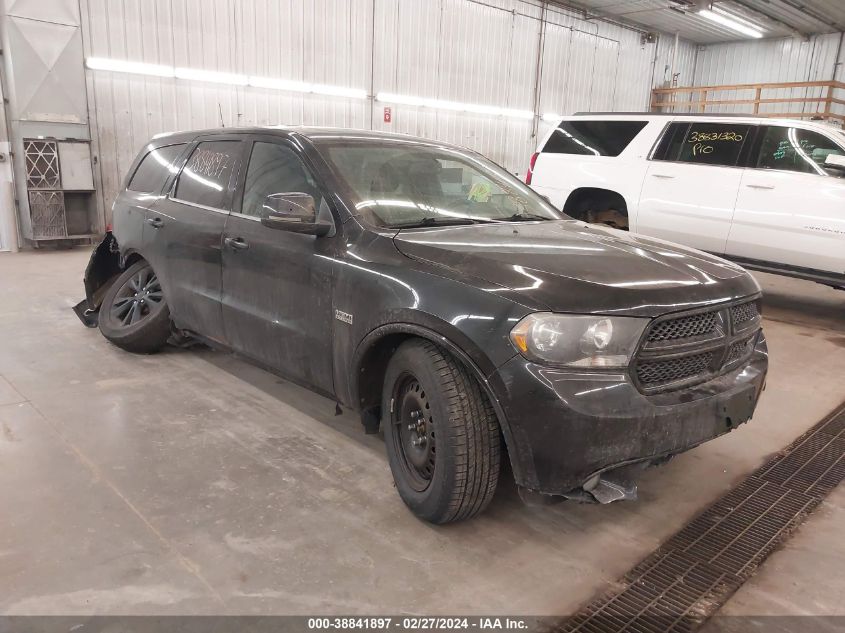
{"x": 42, "y": 164}
{"x": 47, "y": 210}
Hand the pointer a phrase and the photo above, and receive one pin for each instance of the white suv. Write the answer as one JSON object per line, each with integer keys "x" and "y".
{"x": 767, "y": 193}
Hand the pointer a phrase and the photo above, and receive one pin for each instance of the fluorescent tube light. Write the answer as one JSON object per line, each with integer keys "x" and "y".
{"x": 212, "y": 76}
{"x": 279, "y": 84}
{"x": 552, "y": 117}
{"x": 730, "y": 23}
{"x": 455, "y": 106}
{"x": 301, "y": 86}
{"x": 338, "y": 91}
{"x": 121, "y": 66}
{"x": 232, "y": 79}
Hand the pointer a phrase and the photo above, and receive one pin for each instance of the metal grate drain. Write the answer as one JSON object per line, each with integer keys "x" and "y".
{"x": 691, "y": 575}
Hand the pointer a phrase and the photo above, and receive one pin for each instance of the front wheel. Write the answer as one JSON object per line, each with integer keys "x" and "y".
{"x": 134, "y": 314}
{"x": 441, "y": 434}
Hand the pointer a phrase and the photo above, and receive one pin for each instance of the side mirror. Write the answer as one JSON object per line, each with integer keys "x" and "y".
{"x": 295, "y": 212}
{"x": 835, "y": 162}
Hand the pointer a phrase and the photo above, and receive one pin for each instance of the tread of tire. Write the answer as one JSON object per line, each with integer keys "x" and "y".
{"x": 474, "y": 429}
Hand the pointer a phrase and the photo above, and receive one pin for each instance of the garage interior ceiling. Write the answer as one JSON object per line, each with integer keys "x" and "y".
{"x": 776, "y": 18}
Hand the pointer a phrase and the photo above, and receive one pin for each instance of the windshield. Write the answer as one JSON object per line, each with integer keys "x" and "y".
{"x": 400, "y": 184}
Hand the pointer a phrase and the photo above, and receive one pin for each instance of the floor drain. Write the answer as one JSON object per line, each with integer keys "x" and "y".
{"x": 690, "y": 576}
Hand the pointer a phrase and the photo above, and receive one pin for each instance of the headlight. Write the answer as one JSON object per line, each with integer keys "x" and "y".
{"x": 578, "y": 341}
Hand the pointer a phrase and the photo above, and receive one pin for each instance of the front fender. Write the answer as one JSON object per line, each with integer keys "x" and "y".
{"x": 458, "y": 345}
{"x": 103, "y": 266}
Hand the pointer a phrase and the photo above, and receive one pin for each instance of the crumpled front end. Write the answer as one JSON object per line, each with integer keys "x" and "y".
{"x": 103, "y": 267}
{"x": 588, "y": 434}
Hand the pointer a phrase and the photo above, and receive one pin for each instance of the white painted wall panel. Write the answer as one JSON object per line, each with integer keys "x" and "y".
{"x": 781, "y": 60}
{"x": 475, "y": 51}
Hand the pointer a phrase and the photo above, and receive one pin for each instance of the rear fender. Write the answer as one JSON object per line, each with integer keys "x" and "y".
{"x": 102, "y": 269}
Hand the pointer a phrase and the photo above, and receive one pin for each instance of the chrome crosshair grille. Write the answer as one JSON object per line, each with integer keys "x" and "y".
{"x": 682, "y": 350}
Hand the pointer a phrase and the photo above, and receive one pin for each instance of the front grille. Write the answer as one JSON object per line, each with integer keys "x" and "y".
{"x": 664, "y": 372}
{"x": 688, "y": 326}
{"x": 690, "y": 348}
{"x": 740, "y": 349}
{"x": 744, "y": 312}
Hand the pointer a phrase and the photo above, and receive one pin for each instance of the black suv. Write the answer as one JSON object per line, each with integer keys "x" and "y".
{"x": 429, "y": 289}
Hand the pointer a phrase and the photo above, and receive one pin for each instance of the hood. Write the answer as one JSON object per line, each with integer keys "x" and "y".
{"x": 569, "y": 266}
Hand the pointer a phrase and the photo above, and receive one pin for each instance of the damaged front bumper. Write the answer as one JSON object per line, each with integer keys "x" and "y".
{"x": 103, "y": 266}
{"x": 588, "y": 436}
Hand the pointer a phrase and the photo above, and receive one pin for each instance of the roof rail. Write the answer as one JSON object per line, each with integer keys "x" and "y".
{"x": 706, "y": 115}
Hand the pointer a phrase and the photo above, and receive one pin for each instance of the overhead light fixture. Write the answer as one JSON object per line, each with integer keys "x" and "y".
{"x": 230, "y": 79}
{"x": 338, "y": 91}
{"x": 136, "y": 68}
{"x": 212, "y": 76}
{"x": 301, "y": 86}
{"x": 552, "y": 117}
{"x": 455, "y": 106}
{"x": 730, "y": 22}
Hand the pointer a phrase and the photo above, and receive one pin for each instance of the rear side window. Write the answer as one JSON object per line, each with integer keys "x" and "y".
{"x": 795, "y": 149}
{"x": 205, "y": 177}
{"x": 154, "y": 169}
{"x": 703, "y": 143}
{"x": 593, "y": 138}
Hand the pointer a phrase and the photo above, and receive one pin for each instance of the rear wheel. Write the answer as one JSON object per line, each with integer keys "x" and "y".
{"x": 134, "y": 314}
{"x": 441, "y": 434}
{"x": 601, "y": 211}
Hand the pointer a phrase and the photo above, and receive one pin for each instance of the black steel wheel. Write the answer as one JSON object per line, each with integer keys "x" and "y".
{"x": 134, "y": 314}
{"x": 441, "y": 433}
{"x": 413, "y": 426}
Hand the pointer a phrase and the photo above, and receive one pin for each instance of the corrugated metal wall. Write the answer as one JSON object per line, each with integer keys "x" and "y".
{"x": 776, "y": 61}
{"x": 475, "y": 51}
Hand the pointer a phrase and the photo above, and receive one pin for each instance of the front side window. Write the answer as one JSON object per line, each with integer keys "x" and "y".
{"x": 205, "y": 177}
{"x": 154, "y": 169}
{"x": 593, "y": 138}
{"x": 275, "y": 169}
{"x": 403, "y": 184}
{"x": 713, "y": 143}
{"x": 794, "y": 149}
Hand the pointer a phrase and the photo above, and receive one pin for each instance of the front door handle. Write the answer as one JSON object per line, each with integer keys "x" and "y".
{"x": 760, "y": 186}
{"x": 666, "y": 176}
{"x": 155, "y": 222}
{"x": 236, "y": 243}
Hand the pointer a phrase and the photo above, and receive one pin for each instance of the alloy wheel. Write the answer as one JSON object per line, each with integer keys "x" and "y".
{"x": 138, "y": 298}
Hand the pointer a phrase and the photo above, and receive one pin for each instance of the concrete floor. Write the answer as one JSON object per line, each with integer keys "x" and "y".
{"x": 190, "y": 482}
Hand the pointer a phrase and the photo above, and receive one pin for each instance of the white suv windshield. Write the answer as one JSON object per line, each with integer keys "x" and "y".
{"x": 401, "y": 184}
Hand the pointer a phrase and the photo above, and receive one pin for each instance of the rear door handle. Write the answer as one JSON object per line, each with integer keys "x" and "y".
{"x": 236, "y": 243}
{"x": 155, "y": 222}
{"x": 760, "y": 186}
{"x": 666, "y": 176}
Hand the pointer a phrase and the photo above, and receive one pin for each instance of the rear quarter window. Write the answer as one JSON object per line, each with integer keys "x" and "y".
{"x": 154, "y": 169}
{"x": 593, "y": 138}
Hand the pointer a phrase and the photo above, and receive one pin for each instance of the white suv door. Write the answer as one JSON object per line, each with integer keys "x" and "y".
{"x": 691, "y": 184}
{"x": 790, "y": 209}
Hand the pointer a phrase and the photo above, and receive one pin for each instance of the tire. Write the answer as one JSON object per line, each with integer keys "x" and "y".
{"x": 138, "y": 322}
{"x": 452, "y": 474}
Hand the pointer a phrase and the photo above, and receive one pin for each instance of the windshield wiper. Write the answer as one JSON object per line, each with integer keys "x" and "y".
{"x": 438, "y": 221}
{"x": 516, "y": 217}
